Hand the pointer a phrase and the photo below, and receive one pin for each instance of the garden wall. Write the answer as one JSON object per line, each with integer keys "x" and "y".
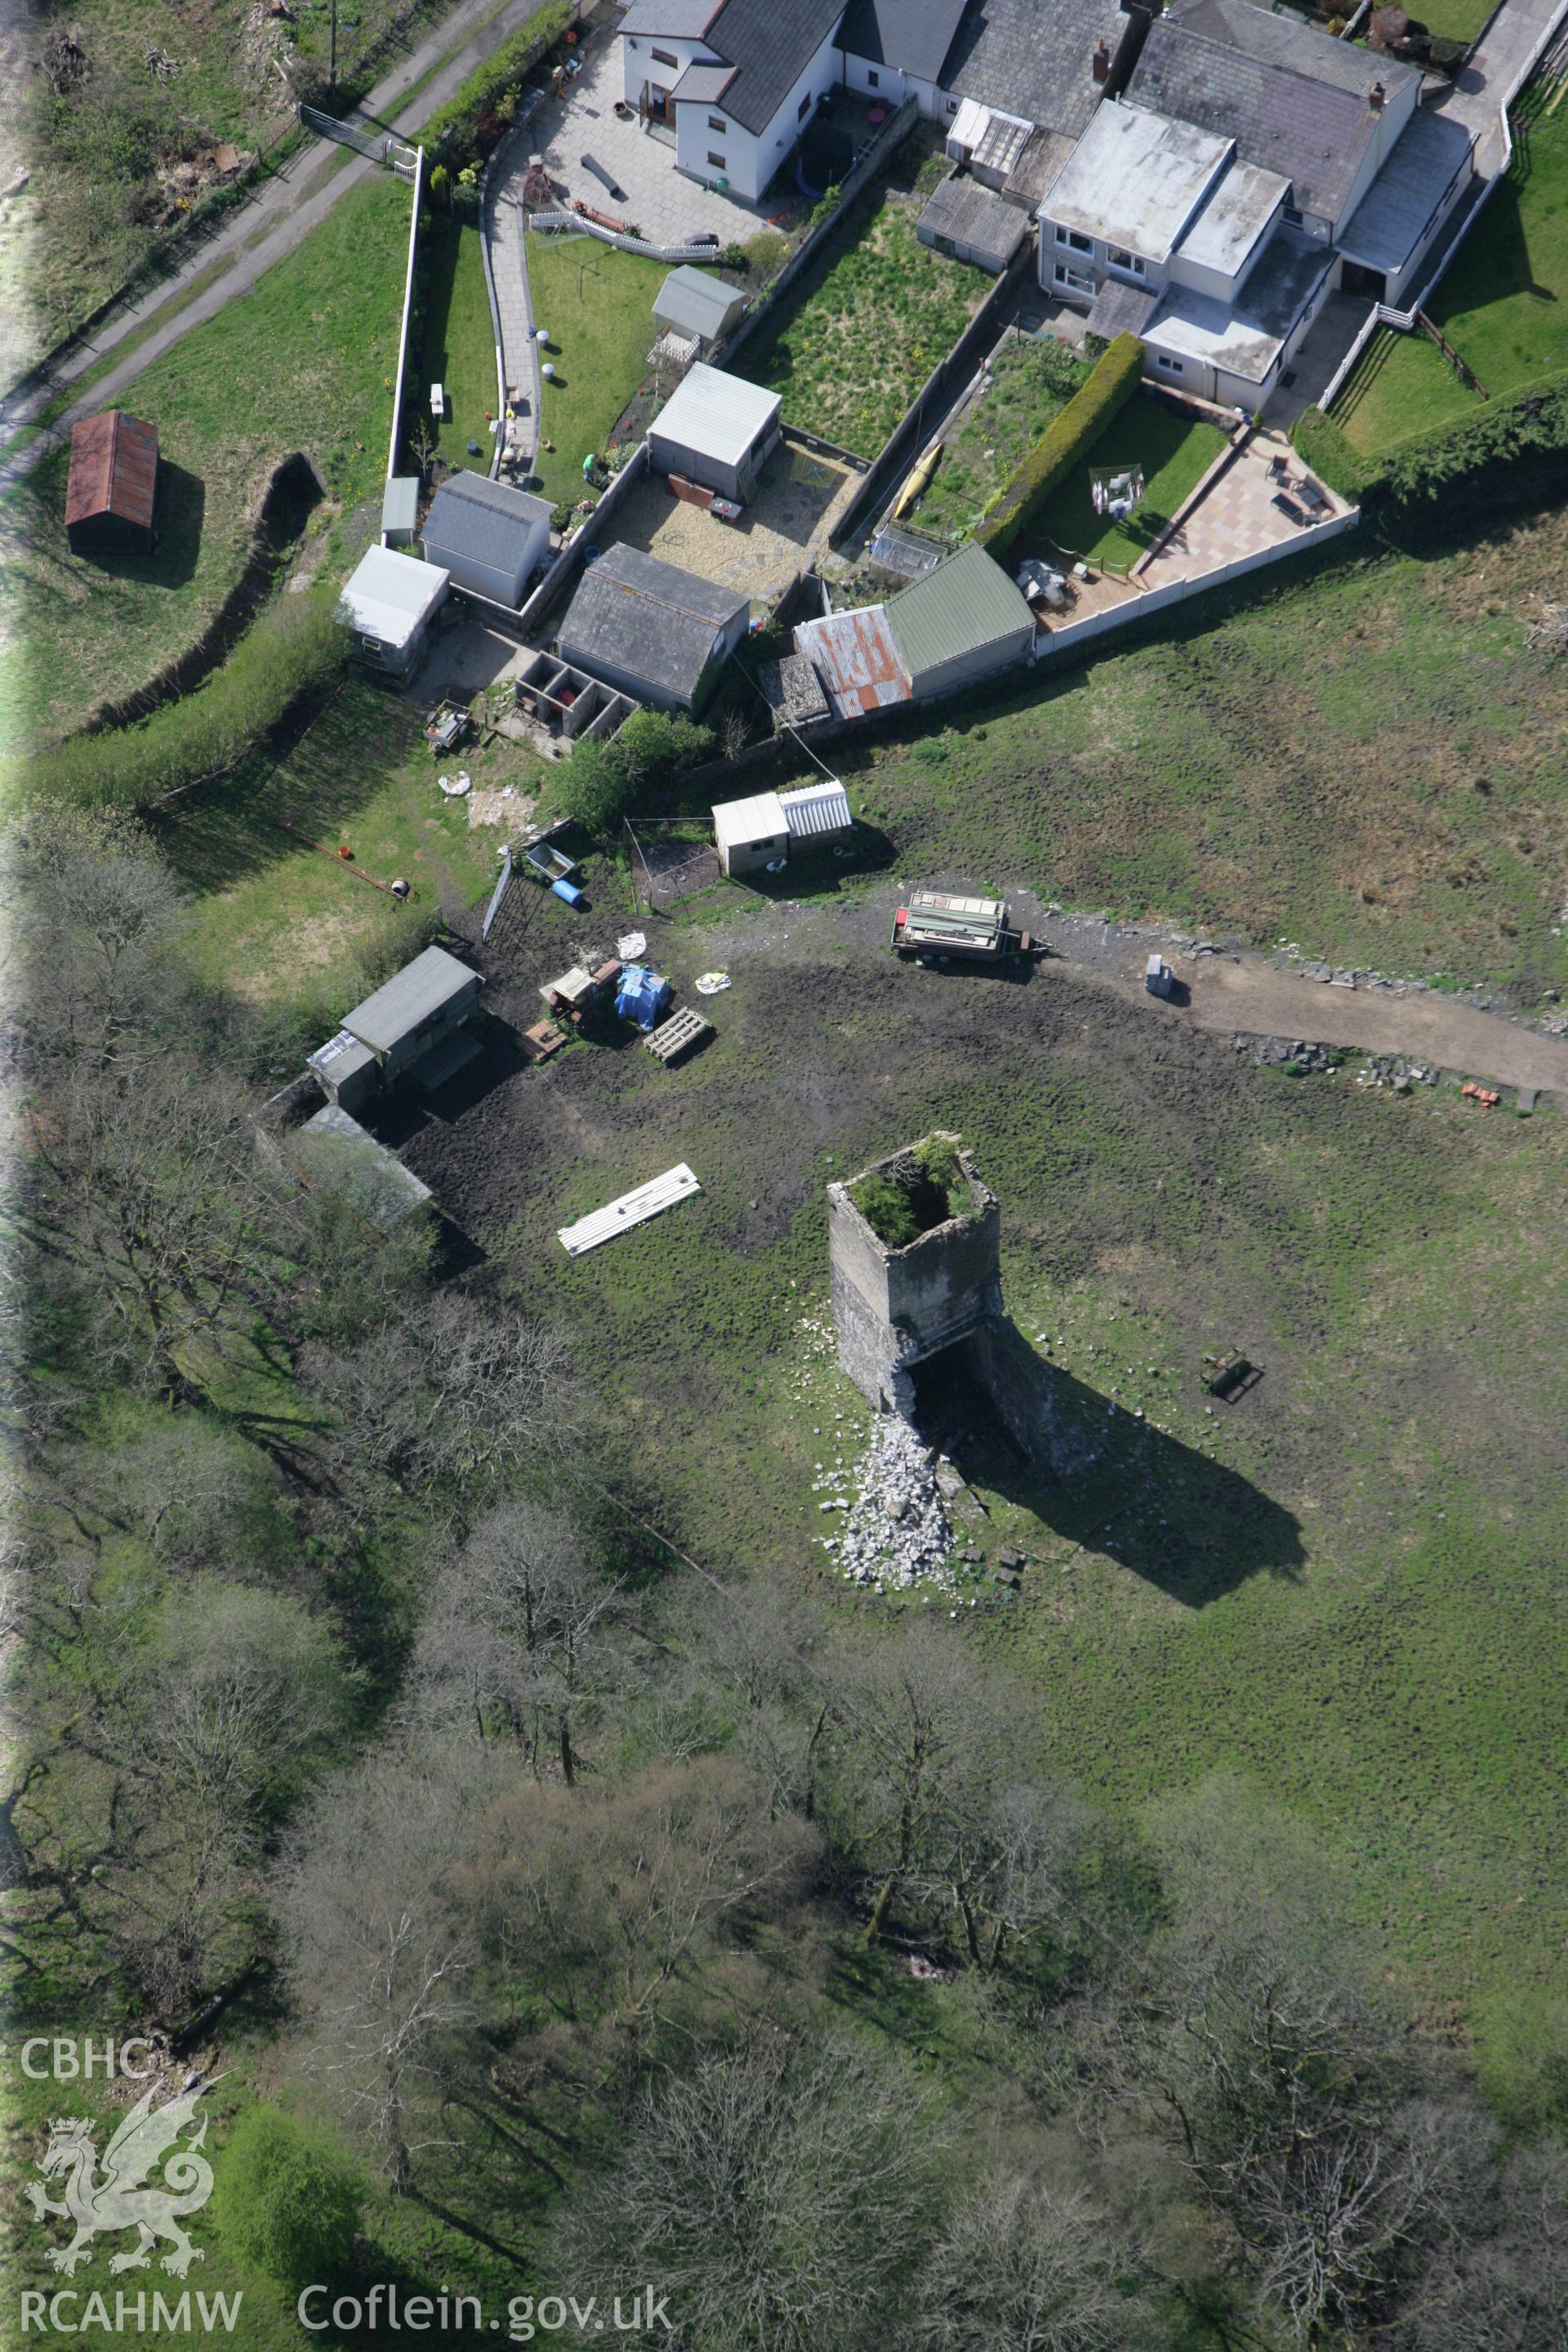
{"x": 1155, "y": 600}
{"x": 567, "y": 568}
{"x": 396, "y": 442}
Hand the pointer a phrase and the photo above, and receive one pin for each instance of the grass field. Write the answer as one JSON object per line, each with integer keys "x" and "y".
{"x": 1175, "y": 452}
{"x": 851, "y": 352}
{"x": 1345, "y": 1588}
{"x": 1500, "y": 304}
{"x": 597, "y": 304}
{"x": 1365, "y": 758}
{"x": 304, "y": 361}
{"x": 995, "y": 436}
{"x": 287, "y": 926}
{"x": 458, "y": 348}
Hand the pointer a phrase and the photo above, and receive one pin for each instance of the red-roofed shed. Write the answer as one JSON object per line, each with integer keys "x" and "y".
{"x": 113, "y": 485}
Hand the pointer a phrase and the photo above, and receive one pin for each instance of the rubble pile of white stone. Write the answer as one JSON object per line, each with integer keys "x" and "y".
{"x": 893, "y": 1530}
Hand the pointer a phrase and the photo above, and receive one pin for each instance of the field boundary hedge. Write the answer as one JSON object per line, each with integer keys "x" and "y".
{"x": 454, "y": 131}
{"x": 295, "y": 647}
{"x": 1117, "y": 374}
{"x": 1530, "y": 422}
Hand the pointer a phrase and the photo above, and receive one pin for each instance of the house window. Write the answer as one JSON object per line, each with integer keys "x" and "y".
{"x": 1079, "y": 243}
{"x": 1078, "y": 280}
{"x": 952, "y": 106}
{"x": 1121, "y": 260}
{"x": 1172, "y": 367}
{"x": 717, "y": 123}
{"x": 871, "y": 80}
{"x": 665, "y": 58}
{"x": 717, "y": 161}
{"x": 1293, "y": 215}
{"x": 804, "y": 109}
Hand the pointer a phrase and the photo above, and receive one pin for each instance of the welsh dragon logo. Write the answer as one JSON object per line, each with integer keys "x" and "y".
{"x": 118, "y": 2198}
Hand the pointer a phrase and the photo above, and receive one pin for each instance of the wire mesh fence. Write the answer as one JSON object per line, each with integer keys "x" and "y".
{"x": 670, "y": 859}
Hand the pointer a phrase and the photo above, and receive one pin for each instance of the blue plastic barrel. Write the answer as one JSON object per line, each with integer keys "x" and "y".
{"x": 569, "y": 891}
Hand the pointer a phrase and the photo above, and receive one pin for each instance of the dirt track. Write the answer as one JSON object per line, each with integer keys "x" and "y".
{"x": 1257, "y": 998}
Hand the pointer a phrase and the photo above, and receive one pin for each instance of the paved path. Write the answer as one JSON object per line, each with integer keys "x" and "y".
{"x": 506, "y": 241}
{"x": 1259, "y": 999}
{"x": 1514, "y": 39}
{"x": 290, "y": 205}
{"x": 1235, "y": 516}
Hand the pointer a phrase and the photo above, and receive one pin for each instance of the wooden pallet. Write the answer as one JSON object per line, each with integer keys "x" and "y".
{"x": 677, "y": 1035}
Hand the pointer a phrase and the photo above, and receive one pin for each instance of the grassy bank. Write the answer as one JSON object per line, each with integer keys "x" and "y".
{"x": 1501, "y": 303}
{"x": 282, "y": 921}
{"x": 1365, "y": 758}
{"x": 304, "y": 361}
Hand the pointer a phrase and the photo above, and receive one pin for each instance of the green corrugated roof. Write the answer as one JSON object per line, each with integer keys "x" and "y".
{"x": 966, "y": 603}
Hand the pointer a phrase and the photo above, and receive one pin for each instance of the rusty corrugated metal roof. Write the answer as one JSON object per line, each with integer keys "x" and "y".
{"x": 854, "y": 656}
{"x": 113, "y": 469}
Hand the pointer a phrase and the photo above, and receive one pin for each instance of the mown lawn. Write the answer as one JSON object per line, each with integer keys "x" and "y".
{"x": 997, "y": 434}
{"x": 457, "y": 348}
{"x": 597, "y": 306}
{"x": 288, "y": 926}
{"x": 304, "y": 361}
{"x": 849, "y": 354}
{"x": 1174, "y": 451}
{"x": 1504, "y": 304}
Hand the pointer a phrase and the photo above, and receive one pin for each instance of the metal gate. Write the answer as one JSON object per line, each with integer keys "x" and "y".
{"x": 393, "y": 153}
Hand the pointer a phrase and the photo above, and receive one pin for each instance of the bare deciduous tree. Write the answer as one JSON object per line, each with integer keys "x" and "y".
{"x": 781, "y": 2194}
{"x": 521, "y": 1633}
{"x": 1017, "y": 2268}
{"x": 380, "y": 1956}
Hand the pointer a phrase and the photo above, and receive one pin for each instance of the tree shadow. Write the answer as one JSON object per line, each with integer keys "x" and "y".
{"x": 1092, "y": 1471}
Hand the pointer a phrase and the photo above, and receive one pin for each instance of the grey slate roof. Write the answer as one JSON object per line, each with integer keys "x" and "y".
{"x": 701, "y": 86}
{"x": 1310, "y": 130}
{"x": 1032, "y": 58}
{"x": 962, "y": 211}
{"x": 914, "y": 35}
{"x": 682, "y": 20}
{"x": 490, "y": 522}
{"x": 770, "y": 43}
{"x": 1119, "y": 309}
{"x": 646, "y": 617}
{"x": 1248, "y": 25}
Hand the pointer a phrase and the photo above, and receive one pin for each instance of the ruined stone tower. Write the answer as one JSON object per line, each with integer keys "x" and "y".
{"x": 898, "y": 1301}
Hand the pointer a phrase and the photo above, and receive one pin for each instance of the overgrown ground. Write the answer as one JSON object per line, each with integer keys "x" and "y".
{"x": 457, "y": 349}
{"x": 850, "y": 353}
{"x": 1344, "y": 1586}
{"x": 995, "y": 436}
{"x": 1500, "y": 304}
{"x": 304, "y": 361}
{"x": 597, "y": 305}
{"x": 289, "y": 927}
{"x": 111, "y": 150}
{"x": 1365, "y": 759}
{"x": 1174, "y": 451}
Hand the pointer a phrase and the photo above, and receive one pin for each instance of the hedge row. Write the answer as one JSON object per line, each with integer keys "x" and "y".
{"x": 1529, "y": 423}
{"x": 454, "y": 131}
{"x": 1116, "y": 377}
{"x": 295, "y": 648}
